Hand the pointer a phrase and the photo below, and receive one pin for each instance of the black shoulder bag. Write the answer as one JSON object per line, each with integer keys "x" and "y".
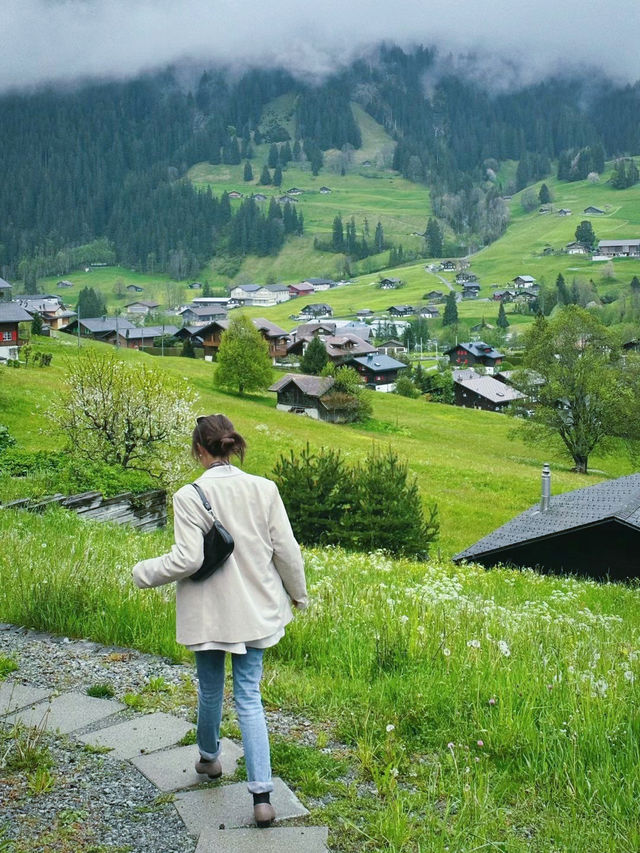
{"x": 218, "y": 543}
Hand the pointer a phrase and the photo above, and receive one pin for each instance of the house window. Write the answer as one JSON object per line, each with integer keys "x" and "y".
{"x": 7, "y": 336}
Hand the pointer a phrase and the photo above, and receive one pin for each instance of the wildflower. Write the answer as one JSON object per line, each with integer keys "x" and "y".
{"x": 450, "y": 745}
{"x": 629, "y": 675}
{"x": 473, "y": 644}
{"x": 446, "y": 652}
{"x": 390, "y": 727}
{"x": 404, "y": 619}
{"x": 492, "y": 701}
{"x": 44, "y": 545}
{"x": 480, "y": 743}
{"x": 503, "y": 648}
{"x": 394, "y": 772}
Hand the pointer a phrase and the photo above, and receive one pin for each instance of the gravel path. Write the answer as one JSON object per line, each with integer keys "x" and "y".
{"x": 98, "y": 803}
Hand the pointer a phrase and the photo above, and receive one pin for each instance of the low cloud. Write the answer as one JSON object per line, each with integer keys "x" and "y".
{"x": 58, "y": 41}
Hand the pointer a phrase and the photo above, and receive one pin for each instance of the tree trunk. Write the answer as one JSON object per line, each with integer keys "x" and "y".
{"x": 581, "y": 464}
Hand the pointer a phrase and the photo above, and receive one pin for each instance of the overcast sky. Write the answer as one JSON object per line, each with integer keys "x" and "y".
{"x": 61, "y": 40}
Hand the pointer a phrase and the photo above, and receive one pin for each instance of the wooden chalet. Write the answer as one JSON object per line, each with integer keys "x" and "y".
{"x": 379, "y": 372}
{"x": 317, "y": 309}
{"x": 594, "y": 211}
{"x": 390, "y": 283}
{"x": 5, "y": 290}
{"x": 145, "y": 336}
{"x": 448, "y": 265}
{"x": 471, "y": 353}
{"x": 524, "y": 281}
{"x": 142, "y": 306}
{"x": 11, "y": 315}
{"x": 105, "y": 329}
{"x": 400, "y": 310}
{"x": 304, "y": 288}
{"x": 209, "y": 336}
{"x": 619, "y": 248}
{"x": 593, "y": 532}
{"x": 301, "y": 394}
{"x": 478, "y": 391}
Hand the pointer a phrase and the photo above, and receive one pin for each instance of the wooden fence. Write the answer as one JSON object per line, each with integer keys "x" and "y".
{"x": 145, "y": 511}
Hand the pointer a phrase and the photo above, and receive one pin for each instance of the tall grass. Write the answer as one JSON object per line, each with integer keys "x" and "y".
{"x": 486, "y": 710}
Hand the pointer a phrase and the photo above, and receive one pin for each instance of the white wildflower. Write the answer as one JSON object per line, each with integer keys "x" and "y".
{"x": 629, "y": 675}
{"x": 446, "y": 652}
{"x": 473, "y": 644}
{"x": 503, "y": 648}
{"x": 390, "y": 727}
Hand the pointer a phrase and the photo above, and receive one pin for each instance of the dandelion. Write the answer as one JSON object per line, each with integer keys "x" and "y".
{"x": 390, "y": 727}
{"x": 629, "y": 675}
{"x": 404, "y": 619}
{"x": 44, "y": 545}
{"x": 450, "y": 745}
{"x": 473, "y": 644}
{"x": 446, "y": 652}
{"x": 503, "y": 648}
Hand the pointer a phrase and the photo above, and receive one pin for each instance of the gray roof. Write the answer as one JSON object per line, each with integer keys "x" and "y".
{"x": 149, "y": 332}
{"x": 313, "y": 386}
{"x": 205, "y": 310}
{"x": 477, "y": 348}
{"x": 248, "y": 288}
{"x": 618, "y": 243}
{"x": 10, "y": 312}
{"x": 316, "y": 306}
{"x": 272, "y": 330}
{"x": 614, "y": 499}
{"x": 276, "y": 288}
{"x": 486, "y": 386}
{"x": 380, "y": 362}
{"x": 4, "y": 285}
{"x": 97, "y": 325}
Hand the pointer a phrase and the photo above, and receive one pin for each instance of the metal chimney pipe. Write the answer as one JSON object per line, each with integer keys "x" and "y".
{"x": 545, "y": 497}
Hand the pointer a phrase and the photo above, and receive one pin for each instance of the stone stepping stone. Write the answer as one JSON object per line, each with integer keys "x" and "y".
{"x": 14, "y": 696}
{"x": 173, "y": 769}
{"x": 139, "y": 735}
{"x": 276, "y": 839}
{"x": 67, "y": 713}
{"x": 231, "y": 806}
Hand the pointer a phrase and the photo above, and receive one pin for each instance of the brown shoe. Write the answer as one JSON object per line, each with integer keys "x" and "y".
{"x": 210, "y": 767}
{"x": 264, "y": 814}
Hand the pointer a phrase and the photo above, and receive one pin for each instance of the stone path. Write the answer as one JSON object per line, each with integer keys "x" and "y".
{"x": 220, "y": 816}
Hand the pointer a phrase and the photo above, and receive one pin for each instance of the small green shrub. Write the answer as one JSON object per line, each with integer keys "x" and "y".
{"x": 101, "y": 691}
{"x": 7, "y": 665}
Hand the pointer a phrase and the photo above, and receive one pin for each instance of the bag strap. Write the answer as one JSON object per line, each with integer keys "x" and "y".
{"x": 204, "y": 500}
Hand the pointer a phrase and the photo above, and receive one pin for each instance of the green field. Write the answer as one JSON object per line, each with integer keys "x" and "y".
{"x": 464, "y": 460}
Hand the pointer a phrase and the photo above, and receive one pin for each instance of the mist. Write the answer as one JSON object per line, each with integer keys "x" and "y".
{"x": 62, "y": 41}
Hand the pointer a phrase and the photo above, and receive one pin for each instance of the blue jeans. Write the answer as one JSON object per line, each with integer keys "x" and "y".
{"x": 247, "y": 672}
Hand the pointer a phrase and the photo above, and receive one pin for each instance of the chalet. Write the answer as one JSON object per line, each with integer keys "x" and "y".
{"x": 524, "y": 281}
{"x": 472, "y": 353}
{"x": 11, "y": 315}
{"x": 321, "y": 283}
{"x": 134, "y": 288}
{"x": 294, "y": 191}
{"x": 360, "y": 329}
{"x": 50, "y": 308}
{"x": 325, "y": 190}
{"x": 564, "y": 211}
{"x": 210, "y": 301}
{"x": 303, "y": 395}
{"x": 548, "y": 250}
{"x": 391, "y": 347}
{"x": 503, "y": 295}
{"x": 200, "y": 315}
{"x": 364, "y": 312}
{"x": 235, "y": 194}
{"x": 594, "y": 211}
{"x": 142, "y": 307}
{"x": 577, "y": 248}
{"x": 340, "y": 347}
{"x": 312, "y": 330}
{"x": 476, "y": 391}
{"x": 105, "y": 329}
{"x": 389, "y": 283}
{"x": 209, "y": 335}
{"x": 317, "y": 309}
{"x": 593, "y": 531}
{"x": 429, "y": 312}
{"x": 400, "y": 310}
{"x": 259, "y": 197}
{"x": 260, "y": 295}
{"x": 434, "y": 296}
{"x": 287, "y": 199}
{"x": 465, "y": 276}
{"x": 448, "y": 265}
{"x": 619, "y": 248}
{"x": 470, "y": 290}
{"x": 145, "y": 336}
{"x": 195, "y": 285}
{"x": 64, "y": 284}
{"x": 379, "y": 372}
{"x": 302, "y": 289}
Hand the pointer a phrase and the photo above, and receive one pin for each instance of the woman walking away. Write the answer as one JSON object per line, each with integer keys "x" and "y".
{"x": 243, "y": 607}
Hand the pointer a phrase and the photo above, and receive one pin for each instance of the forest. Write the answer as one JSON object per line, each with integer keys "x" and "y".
{"x": 103, "y": 166}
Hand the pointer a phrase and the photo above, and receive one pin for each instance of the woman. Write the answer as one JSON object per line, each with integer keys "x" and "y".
{"x": 243, "y": 607}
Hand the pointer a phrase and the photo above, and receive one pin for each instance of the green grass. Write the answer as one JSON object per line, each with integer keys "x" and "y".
{"x": 465, "y": 460}
{"x": 461, "y": 707}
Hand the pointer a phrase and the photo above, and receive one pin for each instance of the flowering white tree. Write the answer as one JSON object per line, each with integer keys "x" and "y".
{"x": 133, "y": 416}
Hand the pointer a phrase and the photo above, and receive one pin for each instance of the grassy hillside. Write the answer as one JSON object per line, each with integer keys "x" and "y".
{"x": 464, "y": 460}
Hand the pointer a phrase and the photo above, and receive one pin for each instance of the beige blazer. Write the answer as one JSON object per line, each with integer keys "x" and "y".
{"x": 248, "y": 598}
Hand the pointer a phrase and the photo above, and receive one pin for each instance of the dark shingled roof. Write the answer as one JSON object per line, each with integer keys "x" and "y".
{"x": 10, "y": 312}
{"x": 477, "y": 348}
{"x": 486, "y": 386}
{"x": 380, "y": 362}
{"x": 313, "y": 386}
{"x": 612, "y": 500}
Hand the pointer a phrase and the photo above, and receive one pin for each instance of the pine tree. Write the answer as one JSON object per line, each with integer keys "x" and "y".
{"x": 337, "y": 239}
{"x": 433, "y": 237}
{"x": 273, "y": 158}
{"x": 564, "y": 297}
{"x": 265, "y": 177}
{"x": 187, "y": 349}
{"x": 248, "y": 171}
{"x": 502, "y": 321}
{"x": 585, "y": 233}
{"x": 544, "y": 196}
{"x": 243, "y": 358}
{"x": 315, "y": 357}
{"x": 36, "y": 324}
{"x": 635, "y": 284}
{"x": 90, "y": 304}
{"x": 277, "y": 177}
{"x": 378, "y": 240}
{"x": 450, "y": 315}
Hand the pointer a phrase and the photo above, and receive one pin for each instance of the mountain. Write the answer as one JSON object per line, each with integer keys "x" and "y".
{"x": 101, "y": 169}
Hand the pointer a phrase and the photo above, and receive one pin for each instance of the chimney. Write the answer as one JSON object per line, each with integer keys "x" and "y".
{"x": 545, "y": 497}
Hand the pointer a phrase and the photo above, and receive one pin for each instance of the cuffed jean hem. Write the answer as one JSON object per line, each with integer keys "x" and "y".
{"x": 210, "y": 756}
{"x": 260, "y": 787}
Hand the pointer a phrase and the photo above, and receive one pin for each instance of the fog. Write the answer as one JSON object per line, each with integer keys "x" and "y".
{"x": 57, "y": 41}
